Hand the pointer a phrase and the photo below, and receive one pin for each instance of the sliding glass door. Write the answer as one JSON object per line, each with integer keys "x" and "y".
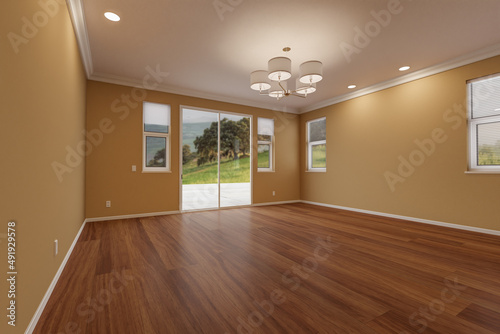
{"x": 235, "y": 160}
{"x": 216, "y": 156}
{"x": 200, "y": 162}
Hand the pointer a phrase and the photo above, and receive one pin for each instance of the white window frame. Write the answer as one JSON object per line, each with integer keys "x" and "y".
{"x": 473, "y": 124}
{"x": 271, "y": 148}
{"x": 166, "y": 136}
{"x": 310, "y": 145}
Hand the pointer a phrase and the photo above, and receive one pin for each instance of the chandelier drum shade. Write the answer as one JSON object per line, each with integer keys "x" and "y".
{"x": 259, "y": 81}
{"x": 273, "y": 82}
{"x": 311, "y": 72}
{"x": 279, "y": 68}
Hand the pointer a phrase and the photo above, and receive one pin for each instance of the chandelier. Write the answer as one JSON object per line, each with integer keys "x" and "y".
{"x": 273, "y": 82}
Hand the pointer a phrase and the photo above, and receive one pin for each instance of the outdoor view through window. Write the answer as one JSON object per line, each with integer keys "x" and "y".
{"x": 484, "y": 123}
{"x": 316, "y": 144}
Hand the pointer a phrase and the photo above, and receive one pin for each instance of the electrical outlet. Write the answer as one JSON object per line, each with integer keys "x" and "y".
{"x": 134, "y": 168}
{"x": 108, "y": 204}
{"x": 56, "y": 247}
{"x": 274, "y": 193}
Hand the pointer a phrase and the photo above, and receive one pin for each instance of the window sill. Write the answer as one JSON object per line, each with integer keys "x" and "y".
{"x": 156, "y": 171}
{"x": 316, "y": 170}
{"x": 264, "y": 170}
{"x": 482, "y": 172}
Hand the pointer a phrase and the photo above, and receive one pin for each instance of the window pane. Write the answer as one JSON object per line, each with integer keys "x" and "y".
{"x": 488, "y": 144}
{"x": 264, "y": 153}
{"x": 317, "y": 130}
{"x": 265, "y": 126}
{"x": 318, "y": 156}
{"x": 486, "y": 97}
{"x": 156, "y": 155}
{"x": 156, "y": 117}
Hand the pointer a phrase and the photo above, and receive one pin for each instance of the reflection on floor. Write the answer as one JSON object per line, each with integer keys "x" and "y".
{"x": 204, "y": 196}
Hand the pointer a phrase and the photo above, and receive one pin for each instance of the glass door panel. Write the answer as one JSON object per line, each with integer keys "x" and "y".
{"x": 235, "y": 160}
{"x": 200, "y": 166}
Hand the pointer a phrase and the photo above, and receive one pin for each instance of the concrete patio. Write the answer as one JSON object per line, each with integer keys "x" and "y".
{"x": 204, "y": 196}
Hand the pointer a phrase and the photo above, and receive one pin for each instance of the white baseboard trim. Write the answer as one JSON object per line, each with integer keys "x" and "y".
{"x": 215, "y": 209}
{"x": 43, "y": 303}
{"x": 152, "y": 214}
{"x": 138, "y": 215}
{"x": 277, "y": 203}
{"x": 413, "y": 219}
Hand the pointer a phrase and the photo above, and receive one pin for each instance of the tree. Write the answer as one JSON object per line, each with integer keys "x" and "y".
{"x": 235, "y": 140}
{"x": 158, "y": 159}
{"x": 489, "y": 154}
{"x": 230, "y": 138}
{"x": 206, "y": 144}
{"x": 244, "y": 135}
{"x": 187, "y": 155}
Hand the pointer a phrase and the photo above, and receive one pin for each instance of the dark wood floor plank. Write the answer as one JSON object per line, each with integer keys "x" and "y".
{"x": 111, "y": 255}
{"x": 488, "y": 284}
{"x": 218, "y": 272}
{"x": 482, "y": 298}
{"x": 311, "y": 291}
{"x": 483, "y": 317}
{"x": 69, "y": 305}
{"x": 445, "y": 323}
{"x": 168, "y": 241}
{"x": 406, "y": 276}
{"x": 397, "y": 323}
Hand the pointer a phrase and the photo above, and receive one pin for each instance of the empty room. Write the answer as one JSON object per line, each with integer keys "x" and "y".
{"x": 245, "y": 166}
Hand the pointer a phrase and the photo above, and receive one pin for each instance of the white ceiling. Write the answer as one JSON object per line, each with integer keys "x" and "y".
{"x": 211, "y": 52}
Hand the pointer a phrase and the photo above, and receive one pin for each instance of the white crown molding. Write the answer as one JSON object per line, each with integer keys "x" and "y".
{"x": 118, "y": 80}
{"x": 78, "y": 17}
{"x": 411, "y": 219}
{"x": 75, "y": 8}
{"x": 466, "y": 59}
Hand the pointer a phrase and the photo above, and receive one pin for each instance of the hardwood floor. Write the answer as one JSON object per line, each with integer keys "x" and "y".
{"x": 293, "y": 268}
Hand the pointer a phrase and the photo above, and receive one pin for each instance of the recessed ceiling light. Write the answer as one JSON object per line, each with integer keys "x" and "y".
{"x": 112, "y": 16}
{"x": 404, "y": 68}
{"x": 351, "y": 86}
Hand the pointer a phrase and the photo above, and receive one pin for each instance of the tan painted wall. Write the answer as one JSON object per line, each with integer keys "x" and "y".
{"x": 367, "y": 135}
{"x": 42, "y": 91}
{"x": 109, "y": 174}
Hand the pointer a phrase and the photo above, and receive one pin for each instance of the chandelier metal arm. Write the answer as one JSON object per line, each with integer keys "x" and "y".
{"x": 288, "y": 93}
{"x": 284, "y": 90}
{"x": 294, "y": 93}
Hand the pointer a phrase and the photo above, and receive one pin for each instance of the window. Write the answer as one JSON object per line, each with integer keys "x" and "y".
{"x": 156, "y": 129}
{"x": 316, "y": 145}
{"x": 265, "y": 139}
{"x": 484, "y": 124}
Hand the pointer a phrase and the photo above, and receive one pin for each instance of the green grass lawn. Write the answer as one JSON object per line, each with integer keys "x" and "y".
{"x": 488, "y": 156}
{"x": 263, "y": 159}
{"x": 231, "y": 171}
{"x": 319, "y": 156}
